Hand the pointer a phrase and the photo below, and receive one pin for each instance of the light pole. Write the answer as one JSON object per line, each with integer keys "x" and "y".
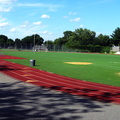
{"x": 34, "y": 42}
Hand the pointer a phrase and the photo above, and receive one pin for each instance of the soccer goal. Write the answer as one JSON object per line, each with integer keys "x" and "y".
{"x": 39, "y": 48}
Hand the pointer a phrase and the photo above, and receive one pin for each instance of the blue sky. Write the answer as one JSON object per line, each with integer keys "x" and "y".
{"x": 50, "y": 18}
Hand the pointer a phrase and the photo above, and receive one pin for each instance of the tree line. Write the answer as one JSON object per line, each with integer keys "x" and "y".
{"x": 27, "y": 42}
{"x": 86, "y": 40}
{"x": 79, "y": 39}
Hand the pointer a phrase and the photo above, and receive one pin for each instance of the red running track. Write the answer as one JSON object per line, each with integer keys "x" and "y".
{"x": 96, "y": 91}
{"x": 9, "y": 57}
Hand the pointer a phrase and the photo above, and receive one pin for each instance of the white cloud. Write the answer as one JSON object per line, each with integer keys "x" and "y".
{"x": 46, "y": 32}
{"x": 4, "y": 24}
{"x": 45, "y": 16}
{"x": 5, "y": 5}
{"x": 23, "y": 26}
{"x": 81, "y": 26}
{"x": 13, "y": 29}
{"x": 7, "y": 1}
{"x": 31, "y": 5}
{"x": 2, "y": 9}
{"x": 48, "y": 7}
{"x": 2, "y": 19}
{"x": 75, "y": 20}
{"x": 65, "y": 17}
{"x": 38, "y": 5}
{"x": 72, "y": 13}
{"x": 37, "y": 23}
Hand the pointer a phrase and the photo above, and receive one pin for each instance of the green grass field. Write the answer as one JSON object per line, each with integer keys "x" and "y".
{"x": 105, "y": 68}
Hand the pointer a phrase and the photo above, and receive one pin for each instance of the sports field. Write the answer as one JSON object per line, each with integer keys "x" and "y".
{"x": 99, "y": 68}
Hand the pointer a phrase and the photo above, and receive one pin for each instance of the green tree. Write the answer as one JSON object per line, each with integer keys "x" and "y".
{"x": 66, "y": 36}
{"x": 18, "y": 43}
{"x": 37, "y": 39}
{"x": 26, "y": 42}
{"x": 85, "y": 36}
{"x": 30, "y": 41}
{"x": 49, "y": 44}
{"x": 10, "y": 43}
{"x": 81, "y": 37}
{"x": 60, "y": 42}
{"x": 102, "y": 40}
{"x": 3, "y": 40}
{"x": 73, "y": 42}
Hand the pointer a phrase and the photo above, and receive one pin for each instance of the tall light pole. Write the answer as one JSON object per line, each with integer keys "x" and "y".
{"x": 34, "y": 42}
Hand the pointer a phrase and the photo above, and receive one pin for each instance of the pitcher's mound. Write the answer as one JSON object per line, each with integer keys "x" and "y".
{"x": 79, "y": 63}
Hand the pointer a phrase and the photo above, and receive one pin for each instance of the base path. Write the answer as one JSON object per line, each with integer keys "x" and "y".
{"x": 73, "y": 86}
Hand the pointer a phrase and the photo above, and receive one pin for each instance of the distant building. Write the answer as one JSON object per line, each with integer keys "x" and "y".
{"x": 115, "y": 49}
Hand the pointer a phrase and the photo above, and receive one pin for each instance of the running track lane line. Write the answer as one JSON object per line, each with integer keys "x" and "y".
{"x": 70, "y": 90}
{"x": 19, "y": 72}
{"x": 51, "y": 75}
{"x": 97, "y": 86}
{"x": 39, "y": 74}
{"x": 61, "y": 81}
{"x": 73, "y": 91}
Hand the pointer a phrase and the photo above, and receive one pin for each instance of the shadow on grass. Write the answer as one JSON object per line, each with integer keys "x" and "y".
{"x": 20, "y": 101}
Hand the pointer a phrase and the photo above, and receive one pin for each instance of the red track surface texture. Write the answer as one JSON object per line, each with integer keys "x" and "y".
{"x": 92, "y": 90}
{"x": 9, "y": 57}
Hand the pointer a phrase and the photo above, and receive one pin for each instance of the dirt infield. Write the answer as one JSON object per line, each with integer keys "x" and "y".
{"x": 60, "y": 83}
